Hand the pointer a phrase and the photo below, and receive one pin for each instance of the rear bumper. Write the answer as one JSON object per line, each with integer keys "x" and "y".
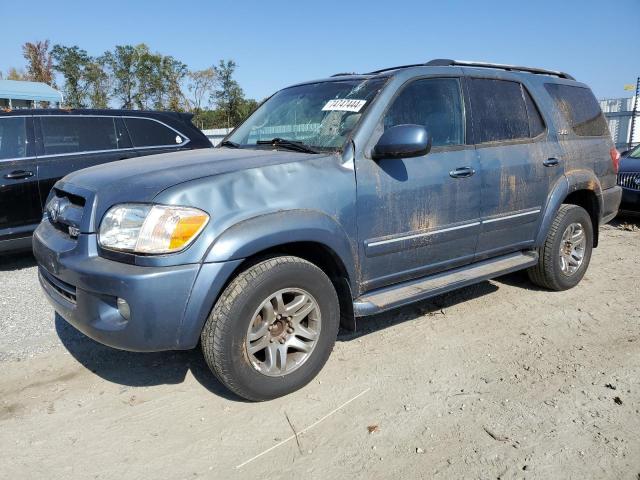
{"x": 610, "y": 203}
{"x": 168, "y": 305}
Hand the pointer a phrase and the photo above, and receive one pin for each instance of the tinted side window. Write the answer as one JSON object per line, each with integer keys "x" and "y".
{"x": 580, "y": 108}
{"x": 499, "y": 111}
{"x": 13, "y": 138}
{"x": 78, "y": 134}
{"x": 435, "y": 103}
{"x": 536, "y": 124}
{"x": 149, "y": 133}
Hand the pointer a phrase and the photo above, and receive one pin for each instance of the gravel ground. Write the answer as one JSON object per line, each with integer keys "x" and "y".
{"x": 500, "y": 380}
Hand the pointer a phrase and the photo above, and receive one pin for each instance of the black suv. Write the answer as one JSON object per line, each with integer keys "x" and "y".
{"x": 38, "y": 147}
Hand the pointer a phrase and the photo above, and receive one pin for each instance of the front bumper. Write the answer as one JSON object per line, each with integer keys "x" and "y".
{"x": 168, "y": 305}
{"x": 630, "y": 200}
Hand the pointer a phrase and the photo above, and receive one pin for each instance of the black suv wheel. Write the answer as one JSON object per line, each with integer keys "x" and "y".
{"x": 565, "y": 255}
{"x": 272, "y": 329}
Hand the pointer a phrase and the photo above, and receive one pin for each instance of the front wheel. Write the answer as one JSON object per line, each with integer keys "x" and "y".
{"x": 272, "y": 329}
{"x": 565, "y": 255}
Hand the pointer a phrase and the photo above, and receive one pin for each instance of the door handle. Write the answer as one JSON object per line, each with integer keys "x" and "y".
{"x": 462, "y": 172}
{"x": 551, "y": 162}
{"x": 18, "y": 175}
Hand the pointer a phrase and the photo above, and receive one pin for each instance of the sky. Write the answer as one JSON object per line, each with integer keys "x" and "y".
{"x": 276, "y": 43}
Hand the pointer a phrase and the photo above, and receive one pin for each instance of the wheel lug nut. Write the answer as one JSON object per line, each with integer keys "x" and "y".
{"x": 281, "y": 340}
{"x": 289, "y": 330}
{"x": 278, "y": 317}
{"x": 271, "y": 340}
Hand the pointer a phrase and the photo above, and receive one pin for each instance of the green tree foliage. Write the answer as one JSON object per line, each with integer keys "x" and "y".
{"x": 134, "y": 77}
{"x": 122, "y": 64}
{"x": 71, "y": 62}
{"x": 86, "y": 83}
{"x": 229, "y": 97}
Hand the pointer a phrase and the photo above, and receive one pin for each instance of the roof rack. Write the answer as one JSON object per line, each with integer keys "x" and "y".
{"x": 445, "y": 62}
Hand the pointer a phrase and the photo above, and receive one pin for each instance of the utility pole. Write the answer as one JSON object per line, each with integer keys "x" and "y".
{"x": 634, "y": 113}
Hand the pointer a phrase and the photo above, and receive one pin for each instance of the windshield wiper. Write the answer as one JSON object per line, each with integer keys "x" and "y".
{"x": 289, "y": 144}
{"x": 230, "y": 144}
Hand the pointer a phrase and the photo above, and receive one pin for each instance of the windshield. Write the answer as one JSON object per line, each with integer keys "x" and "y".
{"x": 318, "y": 115}
{"x": 635, "y": 153}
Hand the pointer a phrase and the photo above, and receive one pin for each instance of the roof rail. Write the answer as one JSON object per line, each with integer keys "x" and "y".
{"x": 445, "y": 62}
{"x": 343, "y": 74}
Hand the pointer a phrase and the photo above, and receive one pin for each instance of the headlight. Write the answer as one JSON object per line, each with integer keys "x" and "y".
{"x": 150, "y": 229}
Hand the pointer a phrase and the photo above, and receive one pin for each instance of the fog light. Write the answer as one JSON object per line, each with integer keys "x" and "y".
{"x": 123, "y": 308}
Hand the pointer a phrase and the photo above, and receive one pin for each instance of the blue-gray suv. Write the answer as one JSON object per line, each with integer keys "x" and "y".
{"x": 337, "y": 199}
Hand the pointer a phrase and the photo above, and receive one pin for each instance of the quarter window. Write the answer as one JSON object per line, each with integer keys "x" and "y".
{"x": 13, "y": 138}
{"x": 435, "y": 103}
{"x": 536, "y": 124}
{"x": 499, "y": 110}
{"x": 78, "y": 134}
{"x": 580, "y": 108}
{"x": 149, "y": 133}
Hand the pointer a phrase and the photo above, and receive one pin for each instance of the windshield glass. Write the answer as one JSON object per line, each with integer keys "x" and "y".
{"x": 635, "y": 153}
{"x": 320, "y": 115}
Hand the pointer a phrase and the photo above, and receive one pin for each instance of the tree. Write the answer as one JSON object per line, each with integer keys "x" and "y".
{"x": 72, "y": 62}
{"x": 122, "y": 64}
{"x": 201, "y": 84}
{"x": 228, "y": 96}
{"x": 16, "y": 74}
{"x": 98, "y": 84}
{"x": 39, "y": 62}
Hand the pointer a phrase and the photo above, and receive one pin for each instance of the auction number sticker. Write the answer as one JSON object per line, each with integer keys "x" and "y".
{"x": 344, "y": 105}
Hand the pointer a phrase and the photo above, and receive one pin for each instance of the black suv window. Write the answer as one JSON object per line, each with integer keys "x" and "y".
{"x": 13, "y": 138}
{"x": 435, "y": 103}
{"x": 78, "y": 134}
{"x": 149, "y": 133}
{"x": 499, "y": 110}
{"x": 580, "y": 108}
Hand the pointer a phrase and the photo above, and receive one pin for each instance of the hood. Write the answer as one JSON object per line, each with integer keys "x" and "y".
{"x": 141, "y": 179}
{"x": 628, "y": 164}
{"x": 154, "y": 173}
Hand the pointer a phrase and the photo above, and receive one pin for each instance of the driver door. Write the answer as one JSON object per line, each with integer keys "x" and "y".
{"x": 418, "y": 216}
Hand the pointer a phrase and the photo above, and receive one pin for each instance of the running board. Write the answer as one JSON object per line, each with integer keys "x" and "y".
{"x": 414, "y": 290}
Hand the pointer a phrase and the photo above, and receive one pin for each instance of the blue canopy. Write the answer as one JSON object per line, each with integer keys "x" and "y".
{"x": 19, "y": 90}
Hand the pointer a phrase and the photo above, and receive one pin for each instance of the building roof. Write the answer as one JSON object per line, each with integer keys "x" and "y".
{"x": 19, "y": 90}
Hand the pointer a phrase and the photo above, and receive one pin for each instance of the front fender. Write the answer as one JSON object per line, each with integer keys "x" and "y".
{"x": 257, "y": 234}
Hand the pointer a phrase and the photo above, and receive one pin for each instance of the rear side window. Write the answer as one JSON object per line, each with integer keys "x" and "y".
{"x": 435, "y": 103}
{"x": 580, "y": 108}
{"x": 149, "y": 133}
{"x": 78, "y": 134}
{"x": 499, "y": 110}
{"x": 13, "y": 138}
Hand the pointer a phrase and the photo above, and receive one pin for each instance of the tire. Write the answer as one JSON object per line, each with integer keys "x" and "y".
{"x": 549, "y": 272}
{"x": 245, "y": 309}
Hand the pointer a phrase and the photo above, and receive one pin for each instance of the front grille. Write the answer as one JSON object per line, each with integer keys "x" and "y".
{"x": 64, "y": 210}
{"x": 629, "y": 180}
{"x": 62, "y": 288}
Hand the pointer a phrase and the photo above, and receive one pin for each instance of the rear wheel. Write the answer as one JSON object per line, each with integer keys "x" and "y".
{"x": 272, "y": 329}
{"x": 565, "y": 255}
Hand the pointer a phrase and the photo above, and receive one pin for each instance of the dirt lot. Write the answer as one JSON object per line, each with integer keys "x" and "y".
{"x": 500, "y": 380}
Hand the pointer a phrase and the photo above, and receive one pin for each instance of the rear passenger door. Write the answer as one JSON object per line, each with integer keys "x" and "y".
{"x": 151, "y": 136}
{"x": 67, "y": 143}
{"x": 519, "y": 163}
{"x": 19, "y": 199}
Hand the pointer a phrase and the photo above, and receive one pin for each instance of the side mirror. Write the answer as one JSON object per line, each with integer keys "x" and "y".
{"x": 402, "y": 141}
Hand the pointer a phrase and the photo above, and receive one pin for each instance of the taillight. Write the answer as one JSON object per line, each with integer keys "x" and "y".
{"x": 615, "y": 159}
